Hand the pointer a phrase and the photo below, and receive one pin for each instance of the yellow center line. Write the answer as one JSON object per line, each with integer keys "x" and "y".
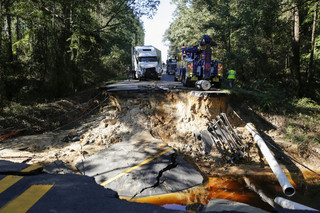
{"x": 27, "y": 199}
{"x": 136, "y": 166}
{"x": 31, "y": 168}
{"x": 8, "y": 181}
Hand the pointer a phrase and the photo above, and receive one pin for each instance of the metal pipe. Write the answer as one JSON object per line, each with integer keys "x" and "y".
{"x": 229, "y": 129}
{"x": 238, "y": 154}
{"x": 287, "y": 188}
{"x": 220, "y": 144}
{"x": 216, "y": 141}
{"x": 234, "y": 133}
{"x": 288, "y": 204}
{"x": 257, "y": 190}
{"x": 229, "y": 135}
{"x": 231, "y": 146}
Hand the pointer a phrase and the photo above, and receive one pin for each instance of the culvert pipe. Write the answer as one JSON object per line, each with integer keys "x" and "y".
{"x": 288, "y": 204}
{"x": 287, "y": 188}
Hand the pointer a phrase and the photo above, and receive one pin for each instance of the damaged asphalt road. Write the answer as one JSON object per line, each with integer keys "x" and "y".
{"x": 173, "y": 164}
{"x": 36, "y": 191}
{"x": 136, "y": 169}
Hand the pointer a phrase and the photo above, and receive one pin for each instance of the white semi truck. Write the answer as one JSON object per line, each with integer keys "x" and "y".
{"x": 146, "y": 62}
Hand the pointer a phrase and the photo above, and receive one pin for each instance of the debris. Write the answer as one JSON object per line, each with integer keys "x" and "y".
{"x": 57, "y": 167}
{"x": 222, "y": 135}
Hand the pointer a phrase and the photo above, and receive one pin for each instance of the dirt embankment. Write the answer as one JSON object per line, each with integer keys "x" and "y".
{"x": 170, "y": 119}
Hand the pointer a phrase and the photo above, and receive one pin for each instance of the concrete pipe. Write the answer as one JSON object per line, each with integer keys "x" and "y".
{"x": 288, "y": 204}
{"x": 287, "y": 188}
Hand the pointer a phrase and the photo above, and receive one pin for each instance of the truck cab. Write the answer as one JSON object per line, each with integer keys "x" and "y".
{"x": 196, "y": 64}
{"x": 146, "y": 62}
{"x": 171, "y": 66}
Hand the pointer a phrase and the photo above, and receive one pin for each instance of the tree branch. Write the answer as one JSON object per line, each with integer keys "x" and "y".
{"x": 118, "y": 10}
{"x": 41, "y": 6}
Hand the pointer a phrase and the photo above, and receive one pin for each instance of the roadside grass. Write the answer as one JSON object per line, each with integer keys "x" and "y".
{"x": 116, "y": 79}
{"x": 303, "y": 122}
{"x": 39, "y": 116}
{"x": 302, "y": 115}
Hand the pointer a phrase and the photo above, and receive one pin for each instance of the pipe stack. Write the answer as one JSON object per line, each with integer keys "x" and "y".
{"x": 223, "y": 136}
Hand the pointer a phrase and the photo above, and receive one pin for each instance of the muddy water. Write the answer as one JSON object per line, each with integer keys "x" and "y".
{"x": 230, "y": 188}
{"x": 236, "y": 189}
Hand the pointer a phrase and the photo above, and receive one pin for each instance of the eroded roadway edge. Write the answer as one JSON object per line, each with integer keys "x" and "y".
{"x": 133, "y": 169}
{"x": 42, "y": 192}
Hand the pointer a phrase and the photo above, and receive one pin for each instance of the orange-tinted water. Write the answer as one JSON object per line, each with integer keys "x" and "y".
{"x": 237, "y": 189}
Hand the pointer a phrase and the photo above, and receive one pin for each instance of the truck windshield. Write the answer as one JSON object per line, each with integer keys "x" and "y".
{"x": 148, "y": 59}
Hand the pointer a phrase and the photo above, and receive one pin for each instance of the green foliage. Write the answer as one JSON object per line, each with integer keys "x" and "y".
{"x": 255, "y": 38}
{"x": 271, "y": 101}
{"x": 308, "y": 104}
{"x": 302, "y": 116}
{"x": 303, "y": 122}
{"x": 50, "y": 48}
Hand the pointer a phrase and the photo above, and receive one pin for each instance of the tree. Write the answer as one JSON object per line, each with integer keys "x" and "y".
{"x": 296, "y": 46}
{"x": 268, "y": 42}
{"x": 60, "y": 46}
{"x": 313, "y": 36}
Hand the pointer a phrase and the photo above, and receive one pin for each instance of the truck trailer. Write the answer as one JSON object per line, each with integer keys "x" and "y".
{"x": 146, "y": 62}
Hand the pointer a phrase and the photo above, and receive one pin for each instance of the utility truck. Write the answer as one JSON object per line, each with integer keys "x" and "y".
{"x": 196, "y": 66}
{"x": 146, "y": 62}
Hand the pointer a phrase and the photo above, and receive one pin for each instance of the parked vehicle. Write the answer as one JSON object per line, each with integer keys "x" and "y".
{"x": 146, "y": 62}
{"x": 171, "y": 66}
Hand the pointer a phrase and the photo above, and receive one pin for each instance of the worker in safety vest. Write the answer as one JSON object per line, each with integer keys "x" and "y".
{"x": 231, "y": 77}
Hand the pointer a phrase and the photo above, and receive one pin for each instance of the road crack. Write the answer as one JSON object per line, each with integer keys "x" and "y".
{"x": 172, "y": 165}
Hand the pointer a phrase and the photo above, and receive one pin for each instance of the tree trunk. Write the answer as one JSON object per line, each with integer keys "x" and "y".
{"x": 18, "y": 33}
{"x": 53, "y": 17}
{"x": 296, "y": 49}
{"x": 229, "y": 35}
{"x": 9, "y": 44}
{"x": 10, "y": 52}
{"x": 313, "y": 36}
{"x": 1, "y": 25}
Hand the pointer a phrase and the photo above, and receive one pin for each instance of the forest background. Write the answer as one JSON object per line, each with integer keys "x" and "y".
{"x": 274, "y": 45}
{"x": 50, "y": 48}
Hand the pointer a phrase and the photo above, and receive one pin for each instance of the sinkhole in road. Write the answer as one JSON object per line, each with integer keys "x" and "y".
{"x": 174, "y": 119}
{"x": 171, "y": 117}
